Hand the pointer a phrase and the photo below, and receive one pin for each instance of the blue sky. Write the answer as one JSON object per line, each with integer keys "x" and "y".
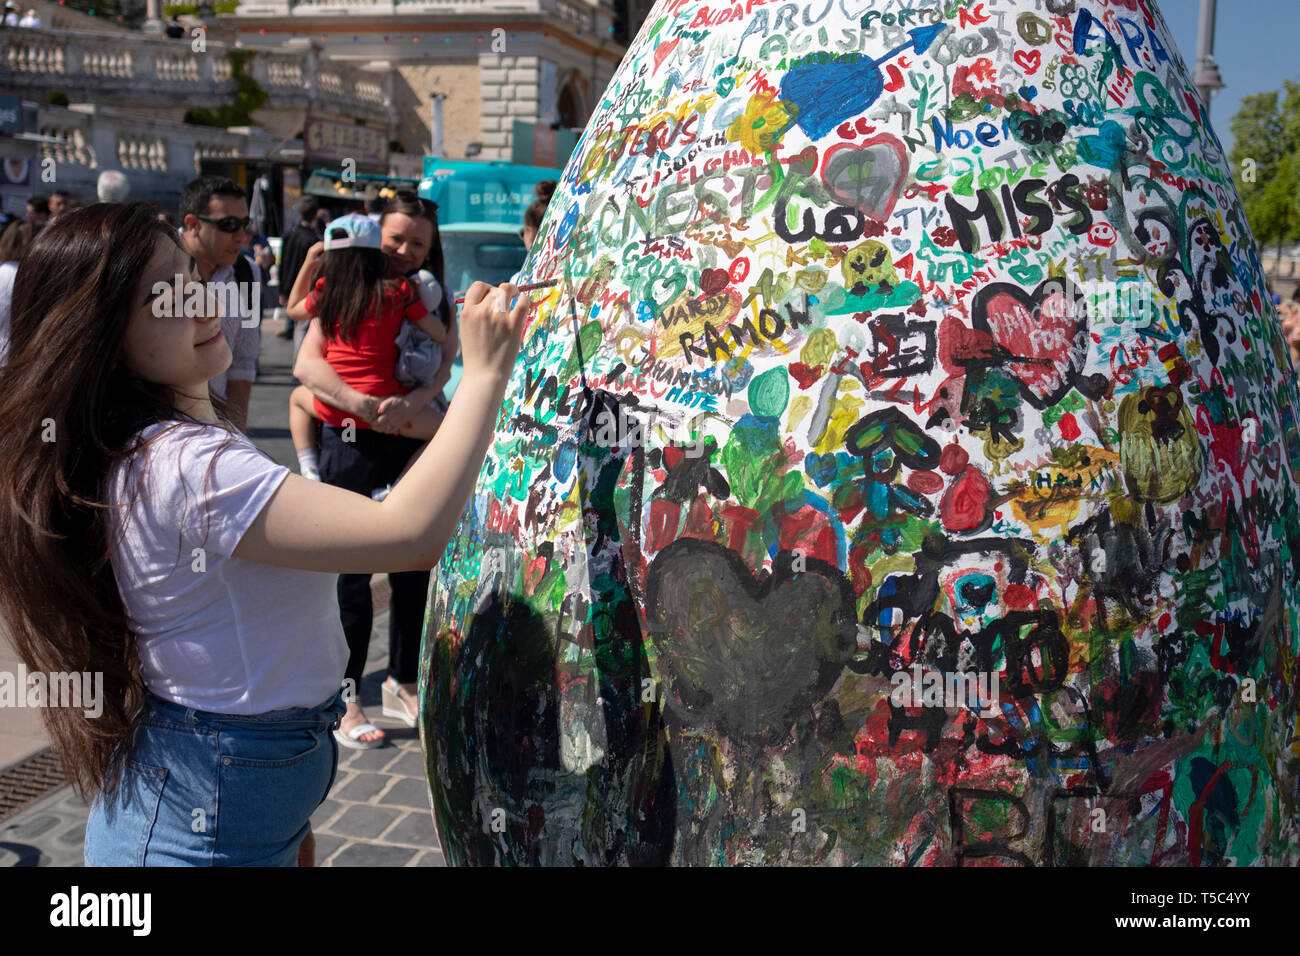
{"x": 1257, "y": 46}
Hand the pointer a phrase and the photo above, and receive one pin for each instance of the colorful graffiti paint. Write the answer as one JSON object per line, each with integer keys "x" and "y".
{"x": 903, "y": 470}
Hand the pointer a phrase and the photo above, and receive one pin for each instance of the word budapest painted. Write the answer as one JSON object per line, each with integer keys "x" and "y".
{"x": 911, "y": 546}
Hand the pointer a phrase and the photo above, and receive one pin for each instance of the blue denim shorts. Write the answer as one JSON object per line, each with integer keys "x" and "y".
{"x": 205, "y": 789}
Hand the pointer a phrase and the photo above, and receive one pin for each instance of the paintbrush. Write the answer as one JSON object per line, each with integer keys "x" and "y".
{"x": 526, "y": 288}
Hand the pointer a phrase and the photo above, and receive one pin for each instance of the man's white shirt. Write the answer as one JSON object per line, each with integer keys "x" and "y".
{"x": 244, "y": 337}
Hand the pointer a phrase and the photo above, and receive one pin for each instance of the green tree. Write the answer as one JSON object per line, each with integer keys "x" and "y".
{"x": 1267, "y": 139}
{"x": 110, "y": 9}
{"x": 249, "y": 96}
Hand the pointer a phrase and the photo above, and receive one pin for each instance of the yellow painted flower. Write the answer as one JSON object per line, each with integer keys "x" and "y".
{"x": 765, "y": 119}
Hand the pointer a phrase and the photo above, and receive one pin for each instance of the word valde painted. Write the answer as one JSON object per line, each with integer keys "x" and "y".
{"x": 902, "y": 470}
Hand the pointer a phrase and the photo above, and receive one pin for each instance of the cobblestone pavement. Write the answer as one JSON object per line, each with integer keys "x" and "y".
{"x": 377, "y": 813}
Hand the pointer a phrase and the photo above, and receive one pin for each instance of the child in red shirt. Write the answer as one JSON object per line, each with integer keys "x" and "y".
{"x": 361, "y": 314}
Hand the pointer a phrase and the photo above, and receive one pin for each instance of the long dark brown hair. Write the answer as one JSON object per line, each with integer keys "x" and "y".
{"x": 16, "y": 238}
{"x": 354, "y": 287}
{"x": 536, "y": 212}
{"x": 74, "y": 296}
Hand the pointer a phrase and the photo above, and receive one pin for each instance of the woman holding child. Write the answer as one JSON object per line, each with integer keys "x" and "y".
{"x": 369, "y": 291}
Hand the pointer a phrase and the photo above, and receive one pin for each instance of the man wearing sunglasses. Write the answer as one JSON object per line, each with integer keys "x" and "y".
{"x": 215, "y": 228}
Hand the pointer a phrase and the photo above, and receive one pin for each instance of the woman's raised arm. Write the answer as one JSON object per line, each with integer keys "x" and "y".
{"x": 297, "y": 307}
{"x": 317, "y": 527}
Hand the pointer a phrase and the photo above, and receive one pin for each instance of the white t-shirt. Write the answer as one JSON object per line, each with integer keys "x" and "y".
{"x": 215, "y": 632}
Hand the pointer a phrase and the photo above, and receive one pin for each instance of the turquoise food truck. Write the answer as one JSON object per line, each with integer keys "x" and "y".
{"x": 480, "y": 216}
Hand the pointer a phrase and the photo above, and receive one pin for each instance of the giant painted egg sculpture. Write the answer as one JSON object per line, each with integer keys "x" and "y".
{"x": 902, "y": 471}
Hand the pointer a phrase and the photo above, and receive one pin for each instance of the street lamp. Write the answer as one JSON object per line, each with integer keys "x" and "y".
{"x": 1207, "y": 80}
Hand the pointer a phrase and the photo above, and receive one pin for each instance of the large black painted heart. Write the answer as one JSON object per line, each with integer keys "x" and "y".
{"x": 741, "y": 657}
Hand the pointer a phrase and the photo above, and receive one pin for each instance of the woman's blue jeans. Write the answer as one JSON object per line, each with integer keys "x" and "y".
{"x": 205, "y": 789}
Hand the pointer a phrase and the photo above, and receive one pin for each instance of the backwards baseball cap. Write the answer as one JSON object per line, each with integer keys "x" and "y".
{"x": 361, "y": 232}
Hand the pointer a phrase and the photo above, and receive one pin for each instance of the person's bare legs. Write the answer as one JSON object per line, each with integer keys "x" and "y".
{"x": 425, "y": 423}
{"x": 302, "y": 419}
{"x": 307, "y": 849}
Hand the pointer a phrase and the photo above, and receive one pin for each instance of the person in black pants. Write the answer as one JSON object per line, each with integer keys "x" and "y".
{"x": 410, "y": 242}
{"x": 375, "y": 460}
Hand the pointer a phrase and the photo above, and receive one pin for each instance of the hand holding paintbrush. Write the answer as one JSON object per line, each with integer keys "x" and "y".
{"x": 526, "y": 288}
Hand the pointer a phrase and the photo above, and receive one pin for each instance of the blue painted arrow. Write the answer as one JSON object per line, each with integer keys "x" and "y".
{"x": 827, "y": 94}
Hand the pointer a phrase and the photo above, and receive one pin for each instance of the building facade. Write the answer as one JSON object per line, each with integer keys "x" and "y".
{"x": 495, "y": 64}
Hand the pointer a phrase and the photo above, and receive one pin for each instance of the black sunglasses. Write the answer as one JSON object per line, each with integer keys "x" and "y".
{"x": 229, "y": 223}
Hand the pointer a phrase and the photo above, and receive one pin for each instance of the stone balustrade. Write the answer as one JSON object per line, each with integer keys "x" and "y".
{"x": 159, "y": 158}
{"x": 583, "y": 14}
{"x": 32, "y": 51}
{"x": 138, "y": 70}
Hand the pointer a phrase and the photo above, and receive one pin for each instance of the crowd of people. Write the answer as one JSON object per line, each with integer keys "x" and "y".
{"x": 226, "y": 600}
{"x": 12, "y": 19}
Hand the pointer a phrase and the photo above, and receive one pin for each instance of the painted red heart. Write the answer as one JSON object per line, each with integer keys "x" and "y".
{"x": 868, "y": 176}
{"x": 965, "y": 505}
{"x": 713, "y": 281}
{"x": 533, "y": 574}
{"x": 663, "y": 50}
{"x": 806, "y": 376}
{"x": 1028, "y": 60}
{"x": 1043, "y": 336}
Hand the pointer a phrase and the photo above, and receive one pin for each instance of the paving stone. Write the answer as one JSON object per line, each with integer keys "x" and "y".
{"x": 361, "y": 787}
{"x": 326, "y": 812}
{"x": 340, "y": 779}
{"x": 399, "y": 735}
{"x": 74, "y": 835}
{"x": 415, "y": 829}
{"x": 362, "y": 821}
{"x": 407, "y": 793}
{"x": 326, "y": 845}
{"x": 61, "y": 857}
{"x": 73, "y": 804}
{"x": 431, "y": 858}
{"x": 410, "y": 764}
{"x": 21, "y": 827}
{"x": 373, "y": 854}
{"x": 362, "y": 760}
{"x": 18, "y": 854}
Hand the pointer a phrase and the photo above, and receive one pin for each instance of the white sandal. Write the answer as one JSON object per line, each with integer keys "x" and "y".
{"x": 394, "y": 706}
{"x": 352, "y": 740}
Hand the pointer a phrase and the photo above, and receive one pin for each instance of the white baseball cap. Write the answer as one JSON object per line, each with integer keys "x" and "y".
{"x": 362, "y": 232}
